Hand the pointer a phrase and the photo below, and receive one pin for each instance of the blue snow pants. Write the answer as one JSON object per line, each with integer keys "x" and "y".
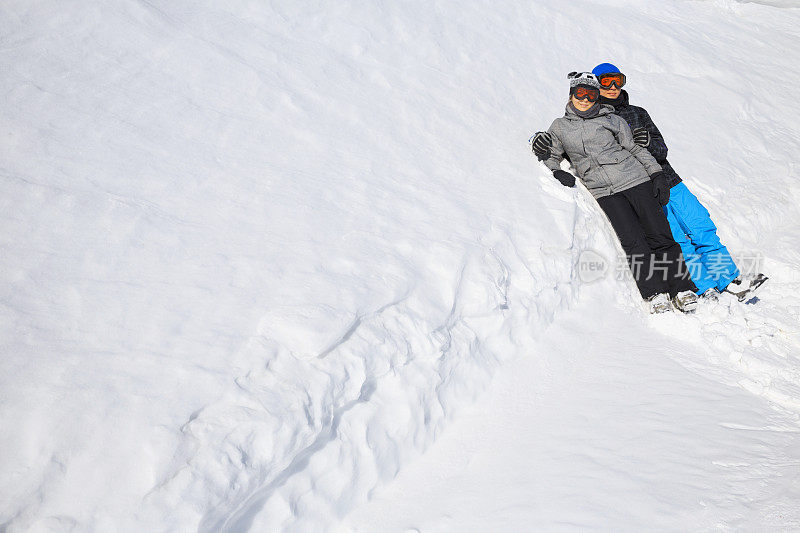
{"x": 709, "y": 263}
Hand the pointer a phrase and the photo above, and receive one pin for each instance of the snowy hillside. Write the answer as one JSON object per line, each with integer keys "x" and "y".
{"x": 291, "y": 266}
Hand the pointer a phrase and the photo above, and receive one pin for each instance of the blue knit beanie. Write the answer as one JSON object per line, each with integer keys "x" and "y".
{"x": 604, "y": 68}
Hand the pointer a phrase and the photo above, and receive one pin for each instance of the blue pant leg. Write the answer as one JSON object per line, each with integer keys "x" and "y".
{"x": 702, "y": 233}
{"x": 697, "y": 269}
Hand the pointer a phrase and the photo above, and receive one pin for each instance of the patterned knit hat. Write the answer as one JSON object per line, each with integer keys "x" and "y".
{"x": 587, "y": 79}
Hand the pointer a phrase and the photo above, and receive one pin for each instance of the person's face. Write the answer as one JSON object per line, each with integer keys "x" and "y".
{"x": 581, "y": 105}
{"x": 612, "y": 93}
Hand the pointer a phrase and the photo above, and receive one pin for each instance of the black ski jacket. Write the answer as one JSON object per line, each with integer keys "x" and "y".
{"x": 637, "y": 117}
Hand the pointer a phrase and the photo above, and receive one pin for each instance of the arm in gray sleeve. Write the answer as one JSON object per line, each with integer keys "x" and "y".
{"x": 554, "y": 161}
{"x": 625, "y": 138}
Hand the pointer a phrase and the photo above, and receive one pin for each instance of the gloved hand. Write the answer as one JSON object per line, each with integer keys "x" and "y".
{"x": 566, "y": 179}
{"x": 641, "y": 137}
{"x": 660, "y": 187}
{"x": 541, "y": 144}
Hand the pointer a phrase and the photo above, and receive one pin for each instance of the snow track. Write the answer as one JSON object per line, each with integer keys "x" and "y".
{"x": 375, "y": 398}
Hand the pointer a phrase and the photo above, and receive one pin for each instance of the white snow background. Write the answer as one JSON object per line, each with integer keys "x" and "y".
{"x": 291, "y": 266}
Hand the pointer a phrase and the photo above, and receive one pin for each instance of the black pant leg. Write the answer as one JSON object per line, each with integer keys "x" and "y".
{"x": 632, "y": 237}
{"x": 668, "y": 263}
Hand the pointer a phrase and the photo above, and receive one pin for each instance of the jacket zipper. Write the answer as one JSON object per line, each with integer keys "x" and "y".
{"x": 600, "y": 168}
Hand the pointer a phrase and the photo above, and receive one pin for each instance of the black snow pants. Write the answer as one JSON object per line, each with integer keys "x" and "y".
{"x": 655, "y": 259}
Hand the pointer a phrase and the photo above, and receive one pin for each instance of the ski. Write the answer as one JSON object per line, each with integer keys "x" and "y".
{"x": 742, "y": 292}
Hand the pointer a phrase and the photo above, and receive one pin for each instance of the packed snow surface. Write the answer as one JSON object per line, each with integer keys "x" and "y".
{"x": 291, "y": 266}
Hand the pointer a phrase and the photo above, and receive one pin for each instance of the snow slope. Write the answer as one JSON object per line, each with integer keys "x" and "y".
{"x": 257, "y": 257}
{"x": 610, "y": 439}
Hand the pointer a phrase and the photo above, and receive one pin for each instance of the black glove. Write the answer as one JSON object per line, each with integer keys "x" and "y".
{"x": 566, "y": 179}
{"x": 660, "y": 187}
{"x": 542, "y": 142}
{"x": 641, "y": 137}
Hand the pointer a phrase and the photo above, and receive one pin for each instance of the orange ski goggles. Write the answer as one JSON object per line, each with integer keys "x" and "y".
{"x": 585, "y": 93}
{"x": 615, "y": 78}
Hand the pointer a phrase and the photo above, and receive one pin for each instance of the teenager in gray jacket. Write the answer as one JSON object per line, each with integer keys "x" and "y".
{"x": 629, "y": 186}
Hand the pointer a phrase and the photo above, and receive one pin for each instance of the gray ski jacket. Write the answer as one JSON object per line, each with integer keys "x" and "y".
{"x": 601, "y": 150}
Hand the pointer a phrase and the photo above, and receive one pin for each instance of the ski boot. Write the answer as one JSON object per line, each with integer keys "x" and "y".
{"x": 711, "y": 295}
{"x": 685, "y": 301}
{"x": 659, "y": 303}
